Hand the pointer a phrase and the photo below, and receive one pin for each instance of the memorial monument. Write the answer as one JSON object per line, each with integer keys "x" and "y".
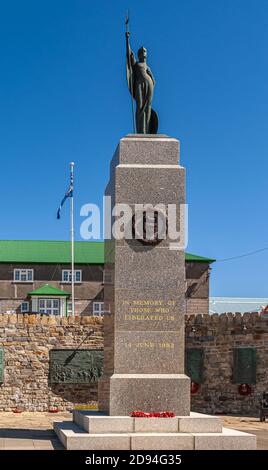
{"x": 145, "y": 302}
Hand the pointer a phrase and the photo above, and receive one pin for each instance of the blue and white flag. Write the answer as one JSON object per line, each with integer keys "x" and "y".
{"x": 69, "y": 193}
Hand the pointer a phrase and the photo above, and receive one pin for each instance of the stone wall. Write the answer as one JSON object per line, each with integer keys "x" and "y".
{"x": 27, "y": 340}
{"x": 218, "y": 335}
{"x": 196, "y": 306}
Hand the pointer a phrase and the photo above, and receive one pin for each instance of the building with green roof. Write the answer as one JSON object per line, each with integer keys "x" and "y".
{"x": 50, "y": 251}
{"x": 33, "y": 273}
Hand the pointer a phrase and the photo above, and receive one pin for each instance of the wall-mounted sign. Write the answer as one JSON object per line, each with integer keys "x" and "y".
{"x": 75, "y": 366}
{"x": 195, "y": 364}
{"x": 244, "y": 371}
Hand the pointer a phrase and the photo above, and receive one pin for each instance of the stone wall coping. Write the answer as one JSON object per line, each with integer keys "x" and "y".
{"x": 204, "y": 319}
{"x": 228, "y": 317}
{"x": 35, "y": 319}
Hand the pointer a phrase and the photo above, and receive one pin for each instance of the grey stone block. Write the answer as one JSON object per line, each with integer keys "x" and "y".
{"x": 153, "y": 425}
{"x": 149, "y": 269}
{"x": 198, "y": 423}
{"x": 148, "y": 149}
{"x": 229, "y": 439}
{"x": 150, "y": 393}
{"x": 157, "y": 441}
{"x": 160, "y": 348}
{"x": 150, "y": 185}
{"x": 109, "y": 424}
{"x": 73, "y": 439}
{"x": 80, "y": 417}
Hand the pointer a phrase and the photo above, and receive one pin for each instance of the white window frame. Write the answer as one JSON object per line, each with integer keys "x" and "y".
{"x": 98, "y": 309}
{"x": 46, "y": 307}
{"x": 23, "y": 272}
{"x": 69, "y": 276}
{"x": 24, "y": 310}
{"x": 69, "y": 308}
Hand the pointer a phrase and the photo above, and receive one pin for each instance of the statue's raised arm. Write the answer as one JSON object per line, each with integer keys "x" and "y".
{"x": 141, "y": 86}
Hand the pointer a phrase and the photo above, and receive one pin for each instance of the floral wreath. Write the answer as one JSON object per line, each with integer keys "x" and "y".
{"x": 244, "y": 389}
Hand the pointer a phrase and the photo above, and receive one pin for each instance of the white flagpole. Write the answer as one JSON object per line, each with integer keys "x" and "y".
{"x": 72, "y": 233}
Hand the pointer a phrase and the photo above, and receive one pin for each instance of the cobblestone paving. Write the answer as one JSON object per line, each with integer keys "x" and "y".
{"x": 34, "y": 431}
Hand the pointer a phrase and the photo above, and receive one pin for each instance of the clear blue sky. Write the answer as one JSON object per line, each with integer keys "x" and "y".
{"x": 64, "y": 97}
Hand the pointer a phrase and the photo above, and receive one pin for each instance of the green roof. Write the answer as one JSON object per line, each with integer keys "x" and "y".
{"x": 50, "y": 251}
{"x": 49, "y": 290}
{"x": 198, "y": 259}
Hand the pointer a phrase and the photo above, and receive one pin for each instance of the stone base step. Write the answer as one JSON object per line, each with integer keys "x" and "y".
{"x": 73, "y": 438}
{"x": 95, "y": 422}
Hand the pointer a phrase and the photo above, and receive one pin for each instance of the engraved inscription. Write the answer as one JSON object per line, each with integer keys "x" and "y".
{"x": 150, "y": 310}
{"x": 150, "y": 345}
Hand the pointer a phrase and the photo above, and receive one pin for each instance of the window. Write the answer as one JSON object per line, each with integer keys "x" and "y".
{"x": 98, "y": 309}
{"x": 69, "y": 308}
{"x": 67, "y": 275}
{"x": 23, "y": 275}
{"x": 24, "y": 307}
{"x": 49, "y": 306}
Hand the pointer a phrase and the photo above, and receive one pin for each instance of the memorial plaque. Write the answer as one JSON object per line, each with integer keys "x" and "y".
{"x": 140, "y": 311}
{"x": 244, "y": 366}
{"x": 1, "y": 365}
{"x": 195, "y": 364}
{"x": 75, "y": 366}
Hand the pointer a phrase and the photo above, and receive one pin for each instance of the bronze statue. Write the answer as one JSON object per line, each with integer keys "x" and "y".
{"x": 141, "y": 86}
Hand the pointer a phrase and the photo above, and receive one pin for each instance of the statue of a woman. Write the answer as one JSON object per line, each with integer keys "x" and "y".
{"x": 141, "y": 86}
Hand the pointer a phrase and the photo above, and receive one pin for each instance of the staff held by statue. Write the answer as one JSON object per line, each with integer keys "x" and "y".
{"x": 129, "y": 68}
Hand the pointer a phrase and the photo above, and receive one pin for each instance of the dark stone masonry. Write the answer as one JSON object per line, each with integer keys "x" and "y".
{"x": 27, "y": 339}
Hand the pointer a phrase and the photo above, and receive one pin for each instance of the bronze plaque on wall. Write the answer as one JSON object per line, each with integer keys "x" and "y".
{"x": 75, "y": 366}
{"x": 244, "y": 371}
{"x": 195, "y": 364}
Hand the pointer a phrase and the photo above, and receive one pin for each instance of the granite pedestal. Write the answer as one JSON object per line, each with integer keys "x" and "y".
{"x": 144, "y": 294}
{"x": 144, "y": 339}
